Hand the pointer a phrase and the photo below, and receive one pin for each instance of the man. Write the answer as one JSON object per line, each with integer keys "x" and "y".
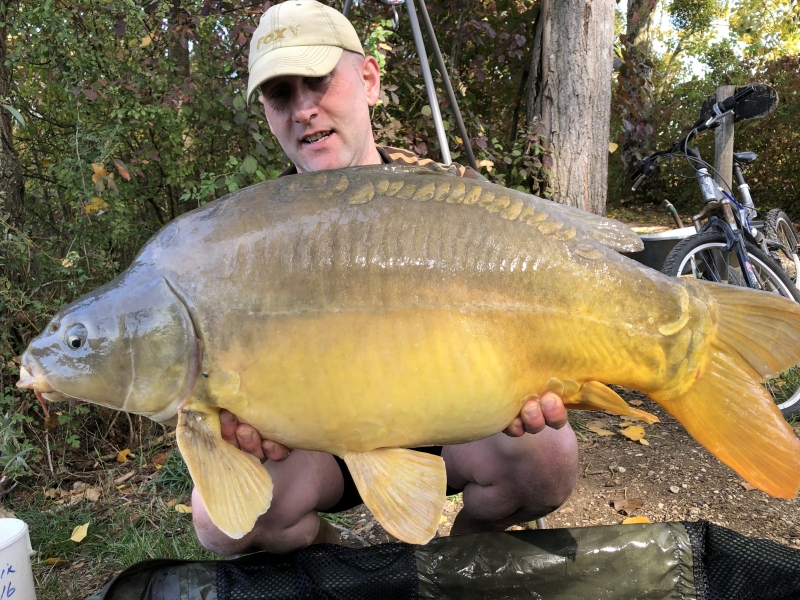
{"x": 316, "y": 87}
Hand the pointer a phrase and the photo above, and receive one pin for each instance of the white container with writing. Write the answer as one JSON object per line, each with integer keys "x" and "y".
{"x": 16, "y": 577}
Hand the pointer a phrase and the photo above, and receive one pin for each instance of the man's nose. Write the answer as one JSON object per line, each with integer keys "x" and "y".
{"x": 305, "y": 106}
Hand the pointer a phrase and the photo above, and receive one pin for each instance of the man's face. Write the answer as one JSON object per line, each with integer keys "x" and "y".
{"x": 324, "y": 122}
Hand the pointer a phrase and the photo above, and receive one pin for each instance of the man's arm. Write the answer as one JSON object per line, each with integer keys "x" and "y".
{"x": 535, "y": 415}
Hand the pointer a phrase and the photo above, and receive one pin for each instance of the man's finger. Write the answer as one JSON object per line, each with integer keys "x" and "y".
{"x": 275, "y": 451}
{"x": 228, "y": 424}
{"x": 515, "y": 429}
{"x": 532, "y": 417}
{"x": 250, "y": 440}
{"x": 552, "y": 407}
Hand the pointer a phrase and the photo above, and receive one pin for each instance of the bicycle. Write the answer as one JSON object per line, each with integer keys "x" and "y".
{"x": 727, "y": 248}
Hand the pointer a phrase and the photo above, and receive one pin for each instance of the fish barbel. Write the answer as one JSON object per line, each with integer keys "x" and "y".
{"x": 367, "y": 311}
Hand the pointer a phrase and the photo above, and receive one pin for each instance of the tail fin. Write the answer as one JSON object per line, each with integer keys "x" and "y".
{"x": 727, "y": 409}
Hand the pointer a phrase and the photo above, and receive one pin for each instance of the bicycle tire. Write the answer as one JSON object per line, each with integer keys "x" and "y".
{"x": 707, "y": 248}
{"x": 778, "y": 227}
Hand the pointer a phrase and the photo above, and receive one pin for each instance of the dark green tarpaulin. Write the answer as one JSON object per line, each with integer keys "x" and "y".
{"x": 661, "y": 561}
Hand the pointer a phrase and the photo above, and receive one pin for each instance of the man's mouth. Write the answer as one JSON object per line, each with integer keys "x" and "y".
{"x": 315, "y": 137}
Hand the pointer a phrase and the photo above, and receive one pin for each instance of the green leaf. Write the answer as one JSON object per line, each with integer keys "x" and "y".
{"x": 426, "y": 110}
{"x": 249, "y": 165}
{"x": 16, "y": 114}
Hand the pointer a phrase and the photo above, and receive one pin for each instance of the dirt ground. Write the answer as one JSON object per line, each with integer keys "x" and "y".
{"x": 671, "y": 479}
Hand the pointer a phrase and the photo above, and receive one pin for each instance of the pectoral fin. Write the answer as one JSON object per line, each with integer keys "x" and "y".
{"x": 593, "y": 395}
{"x": 404, "y": 489}
{"x": 234, "y": 486}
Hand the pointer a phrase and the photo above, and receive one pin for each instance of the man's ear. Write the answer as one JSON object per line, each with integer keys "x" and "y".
{"x": 371, "y": 76}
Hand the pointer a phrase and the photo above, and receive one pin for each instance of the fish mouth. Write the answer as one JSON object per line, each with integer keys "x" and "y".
{"x": 35, "y": 381}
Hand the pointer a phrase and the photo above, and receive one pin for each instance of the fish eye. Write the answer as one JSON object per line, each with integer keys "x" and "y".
{"x": 76, "y": 336}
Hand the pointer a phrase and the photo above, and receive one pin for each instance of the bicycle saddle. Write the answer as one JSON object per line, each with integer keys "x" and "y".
{"x": 744, "y": 157}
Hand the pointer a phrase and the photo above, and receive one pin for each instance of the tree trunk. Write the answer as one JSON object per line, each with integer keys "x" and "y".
{"x": 571, "y": 96}
{"x": 11, "y": 184}
{"x": 636, "y": 82}
{"x": 178, "y": 50}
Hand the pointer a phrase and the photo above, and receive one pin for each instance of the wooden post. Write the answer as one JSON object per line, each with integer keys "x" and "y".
{"x": 723, "y": 147}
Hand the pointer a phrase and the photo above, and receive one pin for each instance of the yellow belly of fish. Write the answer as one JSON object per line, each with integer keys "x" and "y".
{"x": 339, "y": 382}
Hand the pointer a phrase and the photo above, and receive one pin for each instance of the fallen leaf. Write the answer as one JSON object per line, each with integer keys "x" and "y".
{"x": 92, "y": 494}
{"x": 52, "y": 493}
{"x": 99, "y": 171}
{"x": 171, "y": 503}
{"x": 749, "y": 487}
{"x": 644, "y": 442}
{"x": 674, "y": 489}
{"x": 627, "y": 505}
{"x": 80, "y": 532}
{"x": 69, "y": 261}
{"x": 632, "y": 520}
{"x": 56, "y": 562}
{"x": 612, "y": 147}
{"x": 158, "y": 460}
{"x": 96, "y": 205}
{"x": 182, "y": 508}
{"x": 122, "y": 457}
{"x": 600, "y": 431}
{"x": 442, "y": 519}
{"x": 635, "y": 402}
{"x": 633, "y": 432}
{"x": 567, "y": 511}
{"x": 122, "y": 169}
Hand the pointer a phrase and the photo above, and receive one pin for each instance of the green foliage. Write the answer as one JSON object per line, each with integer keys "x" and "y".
{"x": 692, "y": 15}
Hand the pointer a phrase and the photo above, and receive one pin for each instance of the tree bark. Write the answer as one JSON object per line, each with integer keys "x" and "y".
{"x": 636, "y": 81}
{"x": 11, "y": 183}
{"x": 178, "y": 50}
{"x": 571, "y": 96}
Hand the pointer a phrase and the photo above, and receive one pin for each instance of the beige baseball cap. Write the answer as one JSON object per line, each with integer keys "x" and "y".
{"x": 299, "y": 37}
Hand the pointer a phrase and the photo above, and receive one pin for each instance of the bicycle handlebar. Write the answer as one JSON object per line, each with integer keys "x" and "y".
{"x": 721, "y": 109}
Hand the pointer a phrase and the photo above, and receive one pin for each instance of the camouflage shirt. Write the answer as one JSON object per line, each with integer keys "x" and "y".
{"x": 399, "y": 156}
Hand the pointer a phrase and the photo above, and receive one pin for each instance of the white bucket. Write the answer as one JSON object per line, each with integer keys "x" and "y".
{"x": 16, "y": 577}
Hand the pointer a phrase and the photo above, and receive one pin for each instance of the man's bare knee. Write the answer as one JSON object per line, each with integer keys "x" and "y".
{"x": 268, "y": 534}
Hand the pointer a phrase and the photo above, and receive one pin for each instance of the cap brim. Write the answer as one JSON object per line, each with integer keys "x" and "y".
{"x": 304, "y": 61}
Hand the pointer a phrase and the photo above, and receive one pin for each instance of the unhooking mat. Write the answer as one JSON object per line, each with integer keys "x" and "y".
{"x": 660, "y": 561}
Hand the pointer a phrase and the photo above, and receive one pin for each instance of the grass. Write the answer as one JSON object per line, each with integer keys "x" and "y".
{"x": 125, "y": 526}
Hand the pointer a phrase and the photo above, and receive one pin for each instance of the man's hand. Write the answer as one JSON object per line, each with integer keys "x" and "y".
{"x": 247, "y": 438}
{"x": 537, "y": 413}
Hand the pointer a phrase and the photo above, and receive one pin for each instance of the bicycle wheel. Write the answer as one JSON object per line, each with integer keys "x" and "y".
{"x": 703, "y": 256}
{"x": 778, "y": 227}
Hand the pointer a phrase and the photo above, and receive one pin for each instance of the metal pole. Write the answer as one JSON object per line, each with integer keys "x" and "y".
{"x": 447, "y": 85}
{"x": 346, "y": 9}
{"x": 429, "y": 87}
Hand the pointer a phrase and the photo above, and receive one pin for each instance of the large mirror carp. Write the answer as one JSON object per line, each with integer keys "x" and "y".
{"x": 366, "y": 311}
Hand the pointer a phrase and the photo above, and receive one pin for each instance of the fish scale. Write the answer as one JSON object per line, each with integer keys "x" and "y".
{"x": 366, "y": 311}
